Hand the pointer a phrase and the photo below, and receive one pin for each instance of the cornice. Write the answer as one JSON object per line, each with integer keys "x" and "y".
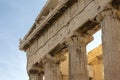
{"x": 50, "y": 18}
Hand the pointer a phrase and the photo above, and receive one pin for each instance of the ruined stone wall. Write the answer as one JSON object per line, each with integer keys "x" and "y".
{"x": 96, "y": 61}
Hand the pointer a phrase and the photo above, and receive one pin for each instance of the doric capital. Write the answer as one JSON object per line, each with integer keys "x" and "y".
{"x": 35, "y": 77}
{"x": 110, "y": 10}
{"x": 36, "y": 70}
{"x": 85, "y": 38}
{"x": 79, "y": 39}
{"x": 54, "y": 59}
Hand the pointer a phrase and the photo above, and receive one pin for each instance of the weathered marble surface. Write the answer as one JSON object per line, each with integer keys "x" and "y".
{"x": 71, "y": 20}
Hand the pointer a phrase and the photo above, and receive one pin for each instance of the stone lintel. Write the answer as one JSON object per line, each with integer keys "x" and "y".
{"x": 29, "y": 38}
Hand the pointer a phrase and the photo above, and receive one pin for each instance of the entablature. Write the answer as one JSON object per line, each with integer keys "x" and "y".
{"x": 47, "y": 16}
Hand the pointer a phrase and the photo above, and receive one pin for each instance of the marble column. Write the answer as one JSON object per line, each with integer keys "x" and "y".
{"x": 52, "y": 69}
{"x": 77, "y": 57}
{"x": 111, "y": 45}
{"x": 35, "y": 77}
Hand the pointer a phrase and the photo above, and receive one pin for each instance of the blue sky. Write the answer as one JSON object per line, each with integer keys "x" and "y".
{"x": 16, "y": 18}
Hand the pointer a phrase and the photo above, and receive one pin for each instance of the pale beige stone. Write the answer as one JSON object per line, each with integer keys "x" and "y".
{"x": 35, "y": 77}
{"x": 58, "y": 21}
{"x": 111, "y": 44}
{"x": 95, "y": 59}
{"x": 77, "y": 57}
{"x": 52, "y": 69}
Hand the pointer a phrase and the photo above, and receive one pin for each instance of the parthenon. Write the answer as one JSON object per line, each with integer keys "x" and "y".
{"x": 56, "y": 43}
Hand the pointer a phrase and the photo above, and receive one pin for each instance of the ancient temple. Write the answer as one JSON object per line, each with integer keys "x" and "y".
{"x": 56, "y": 43}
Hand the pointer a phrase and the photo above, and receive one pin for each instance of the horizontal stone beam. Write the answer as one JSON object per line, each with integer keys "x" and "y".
{"x": 30, "y": 37}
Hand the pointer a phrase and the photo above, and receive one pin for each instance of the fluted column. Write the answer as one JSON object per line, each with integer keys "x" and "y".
{"x": 52, "y": 69}
{"x": 77, "y": 57}
{"x": 111, "y": 45}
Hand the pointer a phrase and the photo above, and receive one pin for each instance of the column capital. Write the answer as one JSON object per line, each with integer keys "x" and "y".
{"x": 36, "y": 73}
{"x": 110, "y": 10}
{"x": 36, "y": 70}
{"x": 78, "y": 39}
{"x": 35, "y": 77}
{"x": 54, "y": 59}
{"x": 52, "y": 68}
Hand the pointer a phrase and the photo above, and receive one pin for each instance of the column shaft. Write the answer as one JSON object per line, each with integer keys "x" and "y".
{"x": 52, "y": 71}
{"x": 77, "y": 59}
{"x": 111, "y": 47}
